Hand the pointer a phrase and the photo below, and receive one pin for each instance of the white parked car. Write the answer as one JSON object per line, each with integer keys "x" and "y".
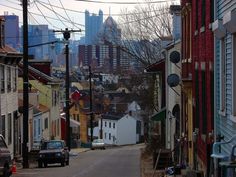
{"x": 98, "y": 144}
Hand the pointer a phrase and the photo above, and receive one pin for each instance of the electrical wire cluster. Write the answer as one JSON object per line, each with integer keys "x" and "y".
{"x": 59, "y": 14}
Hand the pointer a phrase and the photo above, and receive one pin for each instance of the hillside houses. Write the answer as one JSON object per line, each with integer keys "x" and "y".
{"x": 182, "y": 103}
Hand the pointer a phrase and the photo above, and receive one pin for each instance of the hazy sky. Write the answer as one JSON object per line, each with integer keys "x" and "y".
{"x": 59, "y": 14}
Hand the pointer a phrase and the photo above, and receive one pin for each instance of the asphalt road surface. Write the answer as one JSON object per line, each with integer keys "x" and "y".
{"x": 112, "y": 162}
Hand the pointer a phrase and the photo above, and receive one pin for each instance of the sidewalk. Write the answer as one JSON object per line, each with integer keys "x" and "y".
{"x": 33, "y": 163}
{"x": 76, "y": 151}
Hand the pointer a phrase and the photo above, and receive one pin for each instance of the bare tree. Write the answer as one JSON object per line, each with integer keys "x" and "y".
{"x": 143, "y": 29}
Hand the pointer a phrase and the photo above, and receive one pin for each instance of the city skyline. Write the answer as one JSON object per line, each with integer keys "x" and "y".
{"x": 70, "y": 14}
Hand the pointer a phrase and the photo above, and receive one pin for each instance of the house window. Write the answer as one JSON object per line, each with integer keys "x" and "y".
{"x": 2, "y": 126}
{"x": 57, "y": 127}
{"x": 105, "y": 124}
{"x": 114, "y": 125}
{"x": 234, "y": 75}
{"x": 109, "y": 124}
{"x": 46, "y": 123}
{"x": 8, "y": 79}
{"x": 222, "y": 77}
{"x": 203, "y": 12}
{"x": 196, "y": 22}
{"x": 14, "y": 79}
{"x": 204, "y": 105}
{"x": 109, "y": 136}
{"x": 212, "y": 11}
{"x": 9, "y": 120}
{"x": 76, "y": 106}
{"x": 197, "y": 95}
{"x": 2, "y": 76}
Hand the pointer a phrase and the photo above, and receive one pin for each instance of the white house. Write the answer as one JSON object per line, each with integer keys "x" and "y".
{"x": 135, "y": 111}
{"x": 109, "y": 78}
{"x": 9, "y": 59}
{"x": 118, "y": 129}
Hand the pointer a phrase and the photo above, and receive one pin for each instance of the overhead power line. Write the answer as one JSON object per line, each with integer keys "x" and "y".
{"x": 52, "y": 9}
{"x": 45, "y": 17}
{"x": 59, "y": 16}
{"x": 110, "y": 14}
{"x": 119, "y": 2}
{"x": 53, "y": 18}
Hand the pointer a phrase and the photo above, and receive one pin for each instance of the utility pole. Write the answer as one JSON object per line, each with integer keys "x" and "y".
{"x": 91, "y": 104}
{"x": 66, "y": 35}
{"x": 25, "y": 86}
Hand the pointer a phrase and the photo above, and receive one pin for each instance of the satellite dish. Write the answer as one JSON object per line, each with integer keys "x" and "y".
{"x": 173, "y": 80}
{"x": 175, "y": 57}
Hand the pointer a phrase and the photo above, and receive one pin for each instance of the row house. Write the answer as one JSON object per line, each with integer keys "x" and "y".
{"x": 9, "y": 60}
{"x": 186, "y": 76}
{"x": 46, "y": 122}
{"x": 38, "y": 118}
{"x": 224, "y": 28}
{"x": 198, "y": 82}
{"x": 165, "y": 122}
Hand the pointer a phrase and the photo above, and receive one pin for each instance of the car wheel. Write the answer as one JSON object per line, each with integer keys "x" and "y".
{"x": 6, "y": 171}
{"x": 63, "y": 164}
{"x": 40, "y": 164}
{"x": 45, "y": 164}
{"x": 67, "y": 162}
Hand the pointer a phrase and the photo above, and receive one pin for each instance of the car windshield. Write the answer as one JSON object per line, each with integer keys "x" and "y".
{"x": 98, "y": 141}
{"x": 52, "y": 145}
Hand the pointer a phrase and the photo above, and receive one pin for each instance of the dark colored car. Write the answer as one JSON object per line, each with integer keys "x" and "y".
{"x": 5, "y": 159}
{"x": 53, "y": 151}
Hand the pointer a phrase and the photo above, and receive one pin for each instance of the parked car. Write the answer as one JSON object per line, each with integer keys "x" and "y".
{"x": 53, "y": 151}
{"x": 5, "y": 159}
{"x": 98, "y": 144}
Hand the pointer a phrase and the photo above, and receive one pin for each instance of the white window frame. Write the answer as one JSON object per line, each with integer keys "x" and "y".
{"x": 2, "y": 76}
{"x": 233, "y": 116}
{"x": 14, "y": 79}
{"x": 9, "y": 79}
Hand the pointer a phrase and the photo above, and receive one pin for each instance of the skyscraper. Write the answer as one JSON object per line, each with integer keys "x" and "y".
{"x": 93, "y": 23}
{"x": 39, "y": 34}
{"x": 12, "y": 30}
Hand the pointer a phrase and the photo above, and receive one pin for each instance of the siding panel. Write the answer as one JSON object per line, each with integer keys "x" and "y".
{"x": 224, "y": 125}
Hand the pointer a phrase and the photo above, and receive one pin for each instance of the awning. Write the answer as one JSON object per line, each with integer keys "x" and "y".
{"x": 73, "y": 123}
{"x": 159, "y": 116}
{"x": 156, "y": 67}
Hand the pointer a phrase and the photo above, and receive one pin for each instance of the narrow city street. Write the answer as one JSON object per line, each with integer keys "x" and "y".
{"x": 112, "y": 162}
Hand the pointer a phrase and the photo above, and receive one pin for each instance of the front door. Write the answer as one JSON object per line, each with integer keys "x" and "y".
{"x": 37, "y": 131}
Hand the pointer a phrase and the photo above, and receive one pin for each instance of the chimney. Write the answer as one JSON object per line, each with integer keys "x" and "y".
{"x": 175, "y": 11}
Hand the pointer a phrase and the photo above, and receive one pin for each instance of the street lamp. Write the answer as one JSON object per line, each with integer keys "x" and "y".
{"x": 66, "y": 35}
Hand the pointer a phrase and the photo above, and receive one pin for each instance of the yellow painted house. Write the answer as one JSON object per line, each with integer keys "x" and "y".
{"x": 50, "y": 95}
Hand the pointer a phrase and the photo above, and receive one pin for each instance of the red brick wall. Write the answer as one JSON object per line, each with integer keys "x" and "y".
{"x": 203, "y": 52}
